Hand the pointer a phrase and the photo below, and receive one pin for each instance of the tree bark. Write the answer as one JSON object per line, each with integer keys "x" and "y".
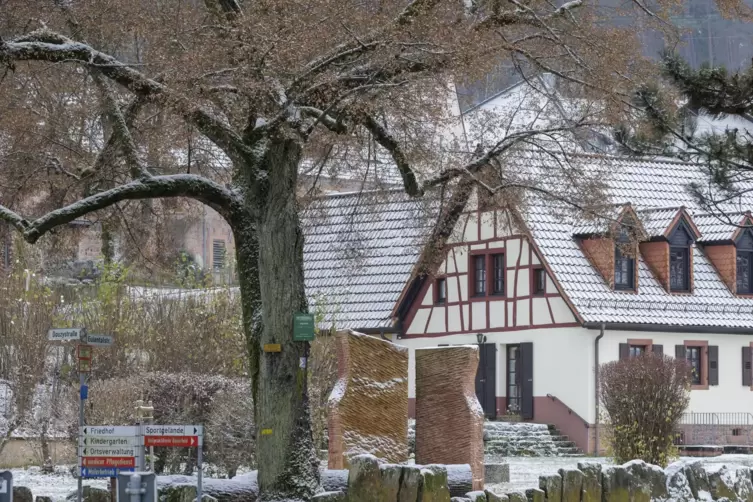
{"x": 269, "y": 243}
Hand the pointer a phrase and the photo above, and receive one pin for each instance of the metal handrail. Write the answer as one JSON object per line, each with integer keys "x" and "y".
{"x": 569, "y": 410}
{"x": 717, "y": 418}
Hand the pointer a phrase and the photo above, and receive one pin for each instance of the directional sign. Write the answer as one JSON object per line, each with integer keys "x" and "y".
{"x": 117, "y": 462}
{"x": 109, "y": 441}
{"x": 103, "y": 472}
{"x": 178, "y": 436}
{"x": 108, "y": 430}
{"x": 173, "y": 441}
{"x": 66, "y": 334}
{"x": 101, "y": 340}
{"x": 6, "y": 486}
{"x": 107, "y": 451}
{"x": 173, "y": 430}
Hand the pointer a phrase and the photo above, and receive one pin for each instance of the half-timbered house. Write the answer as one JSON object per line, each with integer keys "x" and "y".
{"x": 549, "y": 297}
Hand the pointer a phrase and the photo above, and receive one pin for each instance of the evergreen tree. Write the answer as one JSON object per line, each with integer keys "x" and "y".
{"x": 668, "y": 126}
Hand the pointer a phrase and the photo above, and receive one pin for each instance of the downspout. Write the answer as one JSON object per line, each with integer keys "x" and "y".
{"x": 596, "y": 389}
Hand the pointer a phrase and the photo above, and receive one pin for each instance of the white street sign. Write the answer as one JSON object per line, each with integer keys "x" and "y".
{"x": 107, "y": 451}
{"x": 111, "y": 441}
{"x": 107, "y": 430}
{"x": 66, "y": 334}
{"x": 100, "y": 340}
{"x": 173, "y": 430}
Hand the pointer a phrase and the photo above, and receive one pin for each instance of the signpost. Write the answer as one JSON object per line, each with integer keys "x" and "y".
{"x": 6, "y": 486}
{"x": 66, "y": 335}
{"x": 179, "y": 436}
{"x": 105, "y": 451}
{"x": 101, "y": 340}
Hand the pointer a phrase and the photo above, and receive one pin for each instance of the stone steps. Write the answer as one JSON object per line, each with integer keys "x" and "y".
{"x": 520, "y": 439}
{"x": 526, "y": 439}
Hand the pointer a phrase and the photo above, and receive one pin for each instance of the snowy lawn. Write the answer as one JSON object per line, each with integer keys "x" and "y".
{"x": 524, "y": 473}
{"x": 57, "y": 485}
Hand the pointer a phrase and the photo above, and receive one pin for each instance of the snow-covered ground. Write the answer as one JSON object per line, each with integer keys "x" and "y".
{"x": 57, "y": 485}
{"x": 524, "y": 473}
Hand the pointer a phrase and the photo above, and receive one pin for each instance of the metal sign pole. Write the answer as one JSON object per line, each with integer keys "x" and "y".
{"x": 82, "y": 394}
{"x": 200, "y": 463}
{"x": 81, "y": 383}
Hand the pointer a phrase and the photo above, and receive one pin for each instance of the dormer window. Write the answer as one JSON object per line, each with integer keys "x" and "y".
{"x": 680, "y": 242}
{"x": 745, "y": 264}
{"x": 624, "y": 270}
{"x": 624, "y": 265}
{"x": 679, "y": 274}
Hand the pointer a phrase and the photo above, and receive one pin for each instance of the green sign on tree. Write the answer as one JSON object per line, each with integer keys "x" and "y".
{"x": 303, "y": 327}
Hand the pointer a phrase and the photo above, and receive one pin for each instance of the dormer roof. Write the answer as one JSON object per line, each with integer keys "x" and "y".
{"x": 661, "y": 223}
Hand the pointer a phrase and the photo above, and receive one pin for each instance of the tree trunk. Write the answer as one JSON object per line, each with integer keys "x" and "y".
{"x": 269, "y": 243}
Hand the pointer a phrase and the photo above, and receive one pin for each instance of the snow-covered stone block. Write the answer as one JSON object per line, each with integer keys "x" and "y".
{"x": 369, "y": 404}
{"x": 591, "y": 491}
{"x": 449, "y": 418}
{"x": 572, "y": 484}
{"x": 493, "y": 497}
{"x": 329, "y": 497}
{"x": 477, "y": 496}
{"x": 535, "y": 495}
{"x": 433, "y": 486}
{"x": 496, "y": 473}
{"x": 552, "y": 486}
{"x": 722, "y": 481}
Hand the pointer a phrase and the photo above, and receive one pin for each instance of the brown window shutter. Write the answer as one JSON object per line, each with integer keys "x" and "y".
{"x": 713, "y": 365}
{"x": 680, "y": 351}
{"x": 658, "y": 350}
{"x": 624, "y": 351}
{"x": 747, "y": 374}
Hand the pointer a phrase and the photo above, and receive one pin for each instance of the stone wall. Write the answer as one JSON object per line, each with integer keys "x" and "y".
{"x": 24, "y": 452}
{"x": 368, "y": 408}
{"x": 449, "y": 418}
{"x": 716, "y": 434}
{"x": 637, "y": 481}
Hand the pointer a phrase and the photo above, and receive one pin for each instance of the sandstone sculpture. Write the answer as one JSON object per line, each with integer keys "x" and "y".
{"x": 368, "y": 408}
{"x": 449, "y": 418}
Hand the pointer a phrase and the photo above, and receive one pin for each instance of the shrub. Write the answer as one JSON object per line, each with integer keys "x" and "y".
{"x": 322, "y": 378}
{"x": 644, "y": 398}
{"x": 230, "y": 431}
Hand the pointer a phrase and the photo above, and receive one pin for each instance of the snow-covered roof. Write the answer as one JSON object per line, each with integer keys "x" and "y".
{"x": 359, "y": 252}
{"x": 661, "y": 186}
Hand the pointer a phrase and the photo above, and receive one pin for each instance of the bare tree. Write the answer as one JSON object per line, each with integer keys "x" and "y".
{"x": 99, "y": 97}
{"x": 26, "y": 313}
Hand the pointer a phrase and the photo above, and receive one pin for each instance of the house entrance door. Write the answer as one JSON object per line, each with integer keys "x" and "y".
{"x": 486, "y": 377}
{"x": 520, "y": 380}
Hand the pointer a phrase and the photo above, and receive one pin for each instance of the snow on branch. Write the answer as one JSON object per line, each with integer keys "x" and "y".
{"x": 388, "y": 141}
{"x": 45, "y": 45}
{"x": 121, "y": 133}
{"x": 176, "y": 185}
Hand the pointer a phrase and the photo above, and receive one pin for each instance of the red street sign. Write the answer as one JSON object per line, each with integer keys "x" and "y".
{"x": 174, "y": 441}
{"x": 108, "y": 461}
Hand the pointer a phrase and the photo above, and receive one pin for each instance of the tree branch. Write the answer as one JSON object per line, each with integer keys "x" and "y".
{"x": 176, "y": 185}
{"x": 121, "y": 134}
{"x": 44, "y": 45}
{"x": 384, "y": 138}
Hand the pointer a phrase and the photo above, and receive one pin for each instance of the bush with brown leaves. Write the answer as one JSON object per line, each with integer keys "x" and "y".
{"x": 644, "y": 398}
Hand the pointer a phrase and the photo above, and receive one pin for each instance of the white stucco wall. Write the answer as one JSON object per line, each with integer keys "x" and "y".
{"x": 562, "y": 366}
{"x": 730, "y": 396}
